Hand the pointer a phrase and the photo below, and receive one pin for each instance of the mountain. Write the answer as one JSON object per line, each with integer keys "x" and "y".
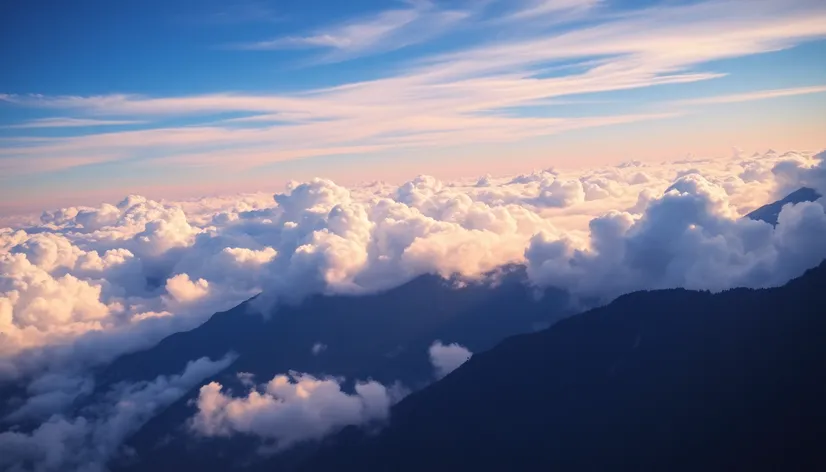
{"x": 769, "y": 213}
{"x": 384, "y": 337}
{"x": 665, "y": 380}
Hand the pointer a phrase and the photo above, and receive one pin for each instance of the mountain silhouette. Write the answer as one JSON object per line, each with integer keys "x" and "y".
{"x": 671, "y": 380}
{"x": 769, "y": 213}
{"x": 384, "y": 337}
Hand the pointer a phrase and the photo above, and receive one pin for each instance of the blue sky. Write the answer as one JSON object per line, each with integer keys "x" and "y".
{"x": 184, "y": 98}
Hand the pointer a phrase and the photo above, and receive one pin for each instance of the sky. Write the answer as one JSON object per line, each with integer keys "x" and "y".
{"x": 100, "y": 99}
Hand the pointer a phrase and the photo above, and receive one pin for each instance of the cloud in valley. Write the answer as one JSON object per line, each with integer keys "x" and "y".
{"x": 292, "y": 408}
{"x": 87, "y": 440}
{"x": 447, "y": 357}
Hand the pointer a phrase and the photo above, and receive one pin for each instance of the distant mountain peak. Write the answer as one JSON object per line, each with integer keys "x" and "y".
{"x": 770, "y": 212}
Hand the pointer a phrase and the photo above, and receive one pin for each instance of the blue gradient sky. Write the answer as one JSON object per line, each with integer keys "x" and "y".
{"x": 182, "y": 98}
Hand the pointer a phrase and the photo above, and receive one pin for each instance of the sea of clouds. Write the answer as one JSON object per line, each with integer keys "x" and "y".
{"x": 82, "y": 286}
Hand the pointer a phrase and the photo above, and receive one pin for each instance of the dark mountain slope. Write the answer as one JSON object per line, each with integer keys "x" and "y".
{"x": 769, "y": 213}
{"x": 667, "y": 380}
{"x": 383, "y": 336}
{"x": 389, "y": 320}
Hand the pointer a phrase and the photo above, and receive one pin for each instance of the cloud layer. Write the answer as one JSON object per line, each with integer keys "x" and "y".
{"x": 85, "y": 285}
{"x": 140, "y": 269}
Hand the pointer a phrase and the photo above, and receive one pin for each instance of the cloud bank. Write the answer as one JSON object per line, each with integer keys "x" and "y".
{"x": 689, "y": 237}
{"x": 138, "y": 270}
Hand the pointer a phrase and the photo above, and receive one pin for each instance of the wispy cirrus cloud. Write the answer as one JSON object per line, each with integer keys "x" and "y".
{"x": 445, "y": 99}
{"x": 380, "y": 32}
{"x": 59, "y": 122}
{"x": 751, "y": 96}
{"x": 29, "y": 165}
{"x": 532, "y": 9}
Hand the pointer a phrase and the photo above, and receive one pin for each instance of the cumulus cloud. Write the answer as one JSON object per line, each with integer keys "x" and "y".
{"x": 793, "y": 172}
{"x": 111, "y": 269}
{"x": 292, "y": 408}
{"x": 88, "y": 440}
{"x": 182, "y": 289}
{"x": 447, "y": 357}
{"x": 105, "y": 270}
{"x": 690, "y": 237}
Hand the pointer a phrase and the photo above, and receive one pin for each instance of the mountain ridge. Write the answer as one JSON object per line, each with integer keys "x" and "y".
{"x": 400, "y": 325}
{"x": 698, "y": 390}
{"x": 771, "y": 211}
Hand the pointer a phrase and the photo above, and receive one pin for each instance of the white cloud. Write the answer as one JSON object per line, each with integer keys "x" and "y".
{"x": 87, "y": 441}
{"x": 533, "y": 9}
{"x": 751, "y": 96}
{"x": 690, "y": 237}
{"x": 61, "y": 122}
{"x": 109, "y": 269}
{"x": 318, "y": 348}
{"x": 447, "y": 357}
{"x": 384, "y": 31}
{"x": 291, "y": 409}
{"x": 184, "y": 290}
{"x": 792, "y": 172}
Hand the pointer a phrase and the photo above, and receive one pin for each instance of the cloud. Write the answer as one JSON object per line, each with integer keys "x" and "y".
{"x": 384, "y": 31}
{"x": 50, "y": 393}
{"x": 689, "y": 237}
{"x": 447, "y": 357}
{"x": 792, "y": 173}
{"x": 751, "y": 96}
{"x": 291, "y": 409}
{"x": 59, "y": 122}
{"x": 184, "y": 290}
{"x": 533, "y": 9}
{"x": 87, "y": 441}
{"x": 318, "y": 348}
{"x": 83, "y": 272}
{"x": 30, "y": 166}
